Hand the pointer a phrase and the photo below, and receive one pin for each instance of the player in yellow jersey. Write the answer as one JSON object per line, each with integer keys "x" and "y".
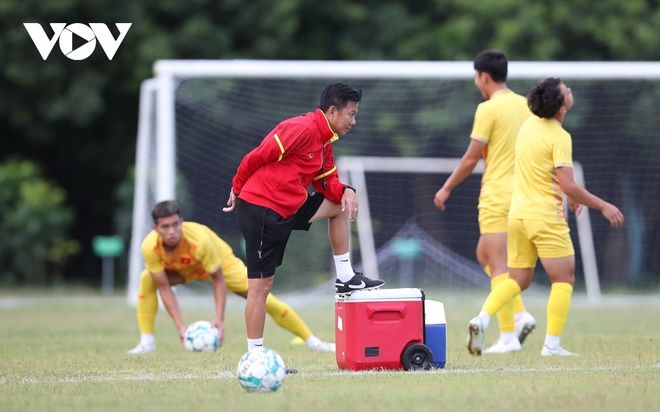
{"x": 496, "y": 125}
{"x": 537, "y": 224}
{"x": 178, "y": 252}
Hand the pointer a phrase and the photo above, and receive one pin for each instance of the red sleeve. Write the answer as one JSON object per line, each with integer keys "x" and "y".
{"x": 334, "y": 187}
{"x": 278, "y": 144}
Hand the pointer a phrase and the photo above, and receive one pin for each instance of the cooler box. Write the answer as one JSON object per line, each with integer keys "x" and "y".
{"x": 435, "y": 324}
{"x": 372, "y": 328}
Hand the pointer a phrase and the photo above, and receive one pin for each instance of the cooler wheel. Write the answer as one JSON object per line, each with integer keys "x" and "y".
{"x": 417, "y": 356}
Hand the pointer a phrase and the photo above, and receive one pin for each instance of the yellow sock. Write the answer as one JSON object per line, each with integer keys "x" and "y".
{"x": 505, "y": 314}
{"x": 559, "y": 304}
{"x": 147, "y": 304}
{"x": 518, "y": 305}
{"x": 501, "y": 295}
{"x": 286, "y": 317}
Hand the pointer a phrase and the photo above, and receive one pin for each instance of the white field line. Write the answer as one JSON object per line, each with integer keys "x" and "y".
{"x": 345, "y": 373}
{"x": 205, "y": 300}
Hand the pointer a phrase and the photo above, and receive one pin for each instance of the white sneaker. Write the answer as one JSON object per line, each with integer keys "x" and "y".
{"x": 323, "y": 347}
{"x": 524, "y": 326}
{"x": 501, "y": 347}
{"x": 141, "y": 349}
{"x": 559, "y": 351}
{"x": 475, "y": 338}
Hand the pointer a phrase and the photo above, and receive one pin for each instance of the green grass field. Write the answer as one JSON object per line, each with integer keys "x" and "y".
{"x": 66, "y": 353}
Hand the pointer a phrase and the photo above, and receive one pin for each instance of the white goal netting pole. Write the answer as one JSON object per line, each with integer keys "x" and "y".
{"x": 140, "y": 194}
{"x": 586, "y": 240}
{"x": 356, "y": 166}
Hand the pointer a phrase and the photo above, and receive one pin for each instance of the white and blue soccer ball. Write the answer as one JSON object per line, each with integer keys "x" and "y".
{"x": 200, "y": 336}
{"x": 261, "y": 370}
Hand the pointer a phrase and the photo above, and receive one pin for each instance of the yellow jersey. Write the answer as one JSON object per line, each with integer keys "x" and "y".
{"x": 200, "y": 253}
{"x": 496, "y": 123}
{"x": 542, "y": 146}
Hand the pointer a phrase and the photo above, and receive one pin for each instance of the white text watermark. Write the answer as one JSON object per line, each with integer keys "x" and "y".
{"x": 89, "y": 33}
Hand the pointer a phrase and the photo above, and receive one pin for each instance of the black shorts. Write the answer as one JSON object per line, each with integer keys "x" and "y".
{"x": 266, "y": 233}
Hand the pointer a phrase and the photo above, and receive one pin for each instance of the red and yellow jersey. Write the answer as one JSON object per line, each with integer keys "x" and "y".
{"x": 295, "y": 154}
{"x": 542, "y": 146}
{"x": 200, "y": 253}
{"x": 497, "y": 122}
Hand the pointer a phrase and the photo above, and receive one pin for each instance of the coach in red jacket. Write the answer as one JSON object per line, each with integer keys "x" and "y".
{"x": 270, "y": 193}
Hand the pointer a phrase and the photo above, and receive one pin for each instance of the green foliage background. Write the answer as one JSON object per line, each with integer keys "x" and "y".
{"x": 34, "y": 225}
{"x": 77, "y": 120}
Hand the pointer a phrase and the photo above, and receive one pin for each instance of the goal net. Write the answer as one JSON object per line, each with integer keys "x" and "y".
{"x": 199, "y": 118}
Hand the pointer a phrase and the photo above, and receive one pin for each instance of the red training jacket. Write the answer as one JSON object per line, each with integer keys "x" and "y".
{"x": 295, "y": 154}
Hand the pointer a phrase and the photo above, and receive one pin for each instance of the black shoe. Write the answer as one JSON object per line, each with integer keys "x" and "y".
{"x": 290, "y": 371}
{"x": 357, "y": 282}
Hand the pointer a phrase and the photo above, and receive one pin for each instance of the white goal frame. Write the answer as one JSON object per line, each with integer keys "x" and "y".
{"x": 353, "y": 169}
{"x": 157, "y": 99}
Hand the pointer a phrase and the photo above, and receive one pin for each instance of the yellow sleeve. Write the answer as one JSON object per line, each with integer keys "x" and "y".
{"x": 151, "y": 259}
{"x": 208, "y": 255}
{"x": 482, "y": 127}
{"x": 562, "y": 151}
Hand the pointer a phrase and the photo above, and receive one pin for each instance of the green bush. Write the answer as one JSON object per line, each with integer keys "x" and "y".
{"x": 34, "y": 224}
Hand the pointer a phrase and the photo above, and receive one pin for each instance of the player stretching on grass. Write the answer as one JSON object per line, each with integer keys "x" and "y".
{"x": 496, "y": 125}
{"x": 537, "y": 224}
{"x": 177, "y": 252}
{"x": 270, "y": 191}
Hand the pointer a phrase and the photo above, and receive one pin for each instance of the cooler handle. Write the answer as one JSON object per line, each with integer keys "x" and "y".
{"x": 391, "y": 312}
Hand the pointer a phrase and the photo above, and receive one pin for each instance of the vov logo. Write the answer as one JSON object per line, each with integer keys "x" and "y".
{"x": 90, "y": 34}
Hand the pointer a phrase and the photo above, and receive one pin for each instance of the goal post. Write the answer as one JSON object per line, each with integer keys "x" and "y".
{"x": 141, "y": 198}
{"x": 199, "y": 117}
{"x": 355, "y": 168}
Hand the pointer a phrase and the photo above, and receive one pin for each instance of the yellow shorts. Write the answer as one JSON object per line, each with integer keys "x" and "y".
{"x": 493, "y": 213}
{"x": 530, "y": 239}
{"x": 235, "y": 276}
{"x": 491, "y": 221}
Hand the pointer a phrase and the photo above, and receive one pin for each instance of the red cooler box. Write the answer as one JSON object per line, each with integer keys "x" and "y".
{"x": 381, "y": 329}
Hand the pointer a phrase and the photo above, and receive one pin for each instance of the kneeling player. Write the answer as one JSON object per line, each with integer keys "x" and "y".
{"x": 177, "y": 252}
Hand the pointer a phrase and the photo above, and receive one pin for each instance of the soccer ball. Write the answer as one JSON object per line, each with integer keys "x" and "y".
{"x": 261, "y": 370}
{"x": 200, "y": 336}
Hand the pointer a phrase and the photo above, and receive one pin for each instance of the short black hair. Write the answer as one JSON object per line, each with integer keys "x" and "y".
{"x": 546, "y": 98}
{"x": 338, "y": 95}
{"x": 493, "y": 62}
{"x": 165, "y": 208}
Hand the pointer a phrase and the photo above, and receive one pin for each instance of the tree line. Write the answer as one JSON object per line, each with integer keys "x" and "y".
{"x": 69, "y": 127}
